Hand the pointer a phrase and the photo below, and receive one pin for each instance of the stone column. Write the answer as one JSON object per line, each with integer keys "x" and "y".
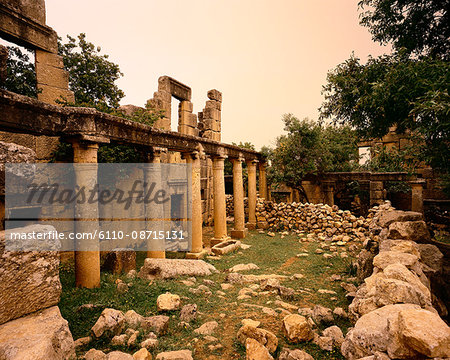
{"x": 153, "y": 175}
{"x": 328, "y": 189}
{"x": 251, "y": 167}
{"x": 376, "y": 193}
{"x": 52, "y": 79}
{"x": 239, "y": 231}
{"x": 87, "y": 254}
{"x": 220, "y": 212}
{"x": 262, "y": 181}
{"x": 417, "y": 195}
{"x": 193, "y": 159}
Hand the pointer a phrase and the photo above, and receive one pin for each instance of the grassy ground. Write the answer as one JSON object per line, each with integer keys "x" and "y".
{"x": 273, "y": 256}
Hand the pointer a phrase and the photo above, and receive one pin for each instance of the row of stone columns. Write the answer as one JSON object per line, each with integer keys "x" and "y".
{"x": 87, "y": 260}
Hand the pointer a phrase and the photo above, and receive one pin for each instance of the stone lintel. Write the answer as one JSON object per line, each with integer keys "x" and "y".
{"x": 177, "y": 89}
{"x": 21, "y": 114}
{"x": 24, "y": 31}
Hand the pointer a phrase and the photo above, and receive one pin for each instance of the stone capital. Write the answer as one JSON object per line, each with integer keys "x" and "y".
{"x": 190, "y": 155}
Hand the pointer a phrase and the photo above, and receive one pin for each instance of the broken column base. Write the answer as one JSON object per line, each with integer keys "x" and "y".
{"x": 251, "y": 225}
{"x": 215, "y": 241}
{"x": 196, "y": 255}
{"x": 239, "y": 234}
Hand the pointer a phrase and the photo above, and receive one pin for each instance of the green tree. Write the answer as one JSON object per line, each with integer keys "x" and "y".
{"x": 92, "y": 76}
{"x": 408, "y": 89}
{"x": 21, "y": 75}
{"x": 310, "y": 148}
{"x": 422, "y": 27}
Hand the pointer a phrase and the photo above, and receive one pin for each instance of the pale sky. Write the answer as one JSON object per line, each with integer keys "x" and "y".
{"x": 268, "y": 58}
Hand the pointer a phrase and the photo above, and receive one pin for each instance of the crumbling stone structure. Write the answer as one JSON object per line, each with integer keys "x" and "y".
{"x": 24, "y": 118}
{"x": 210, "y": 118}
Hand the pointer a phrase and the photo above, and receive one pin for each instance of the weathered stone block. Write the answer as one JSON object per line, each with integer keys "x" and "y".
{"x": 29, "y": 281}
{"x": 40, "y": 336}
{"x": 50, "y": 59}
{"x": 170, "y": 268}
{"x": 50, "y": 94}
{"x": 46, "y": 146}
{"x": 186, "y": 106}
{"x": 209, "y": 113}
{"x": 187, "y": 118}
{"x": 34, "y": 10}
{"x": 213, "y": 104}
{"x": 34, "y": 33}
{"x": 188, "y": 130}
{"x": 409, "y": 230}
{"x": 211, "y": 124}
{"x": 215, "y": 95}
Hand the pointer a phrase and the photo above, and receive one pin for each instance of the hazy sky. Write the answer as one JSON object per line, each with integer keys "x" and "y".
{"x": 266, "y": 57}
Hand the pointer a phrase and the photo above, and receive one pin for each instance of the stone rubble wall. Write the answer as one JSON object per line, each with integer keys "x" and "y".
{"x": 325, "y": 220}
{"x": 230, "y": 206}
{"x": 395, "y": 310}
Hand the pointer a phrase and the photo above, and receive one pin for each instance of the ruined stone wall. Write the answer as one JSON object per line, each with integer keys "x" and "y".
{"x": 210, "y": 118}
{"x": 396, "y": 307}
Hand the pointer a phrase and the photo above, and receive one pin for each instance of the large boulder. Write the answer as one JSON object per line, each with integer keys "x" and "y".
{"x": 386, "y": 258}
{"x": 159, "y": 324}
{"x": 395, "y": 285}
{"x": 378, "y": 331}
{"x": 297, "y": 329}
{"x": 111, "y": 322}
{"x": 29, "y": 280}
{"x": 297, "y": 354}
{"x": 432, "y": 257}
{"x": 264, "y": 337}
{"x": 410, "y": 230}
{"x": 118, "y": 355}
{"x": 43, "y": 335}
{"x": 322, "y": 315}
{"x": 256, "y": 351}
{"x": 425, "y": 332}
{"x": 386, "y": 218}
{"x": 168, "y": 302}
{"x": 403, "y": 246}
{"x": 171, "y": 268}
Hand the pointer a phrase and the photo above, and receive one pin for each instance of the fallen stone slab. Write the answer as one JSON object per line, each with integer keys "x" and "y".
{"x": 43, "y": 335}
{"x": 388, "y": 217}
{"x": 29, "y": 281}
{"x": 171, "y": 268}
{"x": 226, "y": 247}
{"x": 243, "y": 267}
{"x": 257, "y": 278}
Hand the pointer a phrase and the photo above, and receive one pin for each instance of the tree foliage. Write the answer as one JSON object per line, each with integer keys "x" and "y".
{"x": 91, "y": 75}
{"x": 391, "y": 90}
{"x": 21, "y": 75}
{"x": 408, "y": 89}
{"x": 310, "y": 148}
{"x": 422, "y": 27}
